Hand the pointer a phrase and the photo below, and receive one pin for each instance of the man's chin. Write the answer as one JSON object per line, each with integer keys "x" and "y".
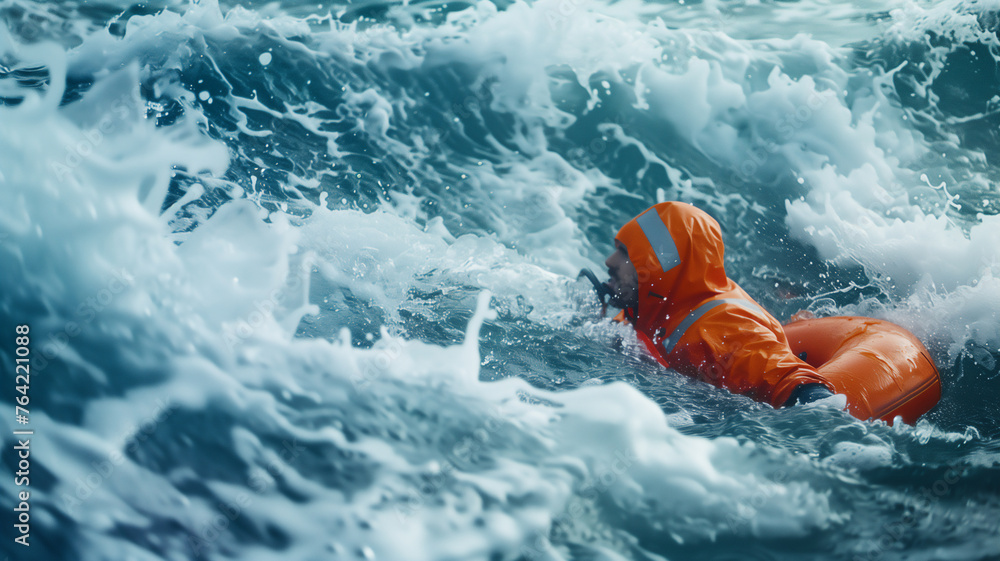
{"x": 617, "y": 302}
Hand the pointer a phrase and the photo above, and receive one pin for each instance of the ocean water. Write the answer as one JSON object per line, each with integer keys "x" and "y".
{"x": 299, "y": 277}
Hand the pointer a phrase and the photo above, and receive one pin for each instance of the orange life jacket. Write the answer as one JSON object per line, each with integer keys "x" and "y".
{"x": 695, "y": 319}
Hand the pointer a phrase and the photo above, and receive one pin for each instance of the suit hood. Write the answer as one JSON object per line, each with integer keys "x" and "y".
{"x": 677, "y": 251}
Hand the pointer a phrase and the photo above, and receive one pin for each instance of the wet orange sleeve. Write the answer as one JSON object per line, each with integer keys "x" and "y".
{"x": 731, "y": 347}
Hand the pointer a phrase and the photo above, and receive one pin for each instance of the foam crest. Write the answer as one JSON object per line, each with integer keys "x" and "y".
{"x": 188, "y": 420}
{"x": 539, "y": 459}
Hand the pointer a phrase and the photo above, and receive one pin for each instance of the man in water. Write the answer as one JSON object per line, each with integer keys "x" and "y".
{"x": 668, "y": 278}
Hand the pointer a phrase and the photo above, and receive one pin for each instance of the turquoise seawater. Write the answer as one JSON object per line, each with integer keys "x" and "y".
{"x": 300, "y": 277}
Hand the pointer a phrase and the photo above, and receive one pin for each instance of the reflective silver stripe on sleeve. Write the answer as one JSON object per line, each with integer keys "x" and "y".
{"x": 670, "y": 342}
{"x": 659, "y": 239}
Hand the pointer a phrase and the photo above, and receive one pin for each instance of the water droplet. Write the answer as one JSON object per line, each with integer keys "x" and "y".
{"x": 265, "y": 59}
{"x": 204, "y": 95}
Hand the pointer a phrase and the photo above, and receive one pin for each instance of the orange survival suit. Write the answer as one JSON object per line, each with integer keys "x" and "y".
{"x": 695, "y": 319}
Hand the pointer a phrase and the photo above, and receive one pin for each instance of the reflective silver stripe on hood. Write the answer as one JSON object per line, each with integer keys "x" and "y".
{"x": 659, "y": 239}
{"x": 670, "y": 342}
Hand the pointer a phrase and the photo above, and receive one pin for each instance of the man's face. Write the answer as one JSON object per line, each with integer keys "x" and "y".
{"x": 624, "y": 282}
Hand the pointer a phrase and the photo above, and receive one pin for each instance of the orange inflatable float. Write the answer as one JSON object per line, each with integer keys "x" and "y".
{"x": 882, "y": 368}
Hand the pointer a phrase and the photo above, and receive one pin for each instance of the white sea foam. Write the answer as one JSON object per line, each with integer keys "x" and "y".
{"x": 108, "y": 204}
{"x": 400, "y": 451}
